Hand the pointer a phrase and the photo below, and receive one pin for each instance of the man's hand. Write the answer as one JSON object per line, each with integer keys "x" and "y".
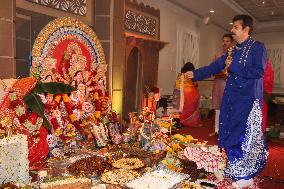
{"x": 189, "y": 75}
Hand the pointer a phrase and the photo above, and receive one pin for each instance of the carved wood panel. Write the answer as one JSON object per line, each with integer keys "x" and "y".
{"x": 72, "y": 6}
{"x": 142, "y": 19}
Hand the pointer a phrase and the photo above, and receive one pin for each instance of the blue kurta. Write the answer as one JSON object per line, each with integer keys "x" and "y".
{"x": 240, "y": 131}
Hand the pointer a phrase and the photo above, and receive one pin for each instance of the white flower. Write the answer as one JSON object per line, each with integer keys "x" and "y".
{"x": 20, "y": 110}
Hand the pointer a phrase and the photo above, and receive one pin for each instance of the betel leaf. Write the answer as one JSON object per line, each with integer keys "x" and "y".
{"x": 34, "y": 103}
{"x": 53, "y": 88}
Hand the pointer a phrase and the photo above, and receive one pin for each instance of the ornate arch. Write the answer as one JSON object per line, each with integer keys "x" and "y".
{"x": 51, "y": 46}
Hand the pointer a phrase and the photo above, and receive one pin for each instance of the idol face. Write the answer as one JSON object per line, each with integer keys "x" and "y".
{"x": 79, "y": 76}
{"x": 226, "y": 43}
{"x": 238, "y": 32}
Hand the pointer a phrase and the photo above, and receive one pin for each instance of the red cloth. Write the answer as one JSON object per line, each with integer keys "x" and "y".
{"x": 268, "y": 80}
{"x": 38, "y": 149}
{"x": 60, "y": 49}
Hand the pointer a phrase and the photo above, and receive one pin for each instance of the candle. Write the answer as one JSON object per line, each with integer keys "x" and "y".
{"x": 151, "y": 133}
{"x": 131, "y": 130}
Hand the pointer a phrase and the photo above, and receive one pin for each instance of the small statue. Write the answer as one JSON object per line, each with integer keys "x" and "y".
{"x": 7, "y": 123}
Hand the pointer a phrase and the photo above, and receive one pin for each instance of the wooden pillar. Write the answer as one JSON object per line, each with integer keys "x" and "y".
{"x": 117, "y": 54}
{"x": 7, "y": 38}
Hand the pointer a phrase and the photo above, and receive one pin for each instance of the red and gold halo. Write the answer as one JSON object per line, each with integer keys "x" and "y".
{"x": 54, "y": 39}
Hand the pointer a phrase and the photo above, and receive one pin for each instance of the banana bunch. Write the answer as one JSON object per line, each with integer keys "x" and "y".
{"x": 163, "y": 123}
{"x": 182, "y": 138}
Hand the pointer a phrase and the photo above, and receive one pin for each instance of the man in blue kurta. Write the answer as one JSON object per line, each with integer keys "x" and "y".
{"x": 240, "y": 133}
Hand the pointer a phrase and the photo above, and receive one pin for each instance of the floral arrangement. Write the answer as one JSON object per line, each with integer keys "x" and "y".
{"x": 171, "y": 163}
{"x": 14, "y": 160}
{"x": 24, "y": 104}
{"x": 175, "y": 146}
{"x": 67, "y": 130}
{"x": 163, "y": 123}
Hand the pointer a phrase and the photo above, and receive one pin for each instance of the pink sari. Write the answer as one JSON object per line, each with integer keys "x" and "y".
{"x": 187, "y": 98}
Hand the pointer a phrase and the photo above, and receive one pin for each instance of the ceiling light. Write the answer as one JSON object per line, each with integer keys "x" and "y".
{"x": 260, "y": 2}
{"x": 231, "y": 23}
{"x": 211, "y": 11}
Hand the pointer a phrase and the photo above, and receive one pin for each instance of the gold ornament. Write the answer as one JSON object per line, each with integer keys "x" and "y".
{"x": 230, "y": 52}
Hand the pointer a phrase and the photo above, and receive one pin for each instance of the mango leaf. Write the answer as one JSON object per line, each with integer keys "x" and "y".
{"x": 34, "y": 103}
{"x": 53, "y": 88}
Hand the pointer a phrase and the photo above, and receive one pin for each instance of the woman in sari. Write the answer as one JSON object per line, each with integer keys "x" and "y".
{"x": 268, "y": 80}
{"x": 187, "y": 98}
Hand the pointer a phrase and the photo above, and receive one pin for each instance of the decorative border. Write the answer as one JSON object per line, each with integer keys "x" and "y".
{"x": 78, "y": 7}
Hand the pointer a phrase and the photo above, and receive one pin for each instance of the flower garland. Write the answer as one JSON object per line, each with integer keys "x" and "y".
{"x": 97, "y": 104}
{"x": 73, "y": 117}
{"x": 104, "y": 103}
{"x": 51, "y": 104}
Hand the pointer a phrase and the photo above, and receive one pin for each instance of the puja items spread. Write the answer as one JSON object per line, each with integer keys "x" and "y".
{"x": 119, "y": 176}
{"x": 130, "y": 151}
{"x": 69, "y": 183}
{"x": 157, "y": 179}
{"x": 128, "y": 163}
{"x": 189, "y": 185}
{"x": 90, "y": 166}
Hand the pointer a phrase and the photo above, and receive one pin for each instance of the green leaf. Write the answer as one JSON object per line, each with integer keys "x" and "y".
{"x": 53, "y": 88}
{"x": 34, "y": 103}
